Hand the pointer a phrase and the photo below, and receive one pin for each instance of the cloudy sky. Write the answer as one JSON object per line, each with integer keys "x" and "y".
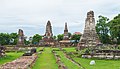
{"x": 32, "y": 15}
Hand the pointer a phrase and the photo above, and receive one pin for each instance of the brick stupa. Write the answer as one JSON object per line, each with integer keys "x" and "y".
{"x": 89, "y": 38}
{"x": 20, "y": 38}
{"x": 66, "y": 35}
{"x": 48, "y": 37}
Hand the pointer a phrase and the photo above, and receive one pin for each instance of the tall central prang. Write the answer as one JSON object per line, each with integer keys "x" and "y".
{"x": 89, "y": 37}
{"x": 48, "y": 37}
{"x": 48, "y": 32}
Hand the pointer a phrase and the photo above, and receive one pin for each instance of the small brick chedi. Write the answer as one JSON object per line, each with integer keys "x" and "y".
{"x": 66, "y": 35}
{"x": 20, "y": 38}
{"x": 66, "y": 41}
{"x": 89, "y": 38}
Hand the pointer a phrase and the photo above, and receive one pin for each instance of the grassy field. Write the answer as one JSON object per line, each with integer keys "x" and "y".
{"x": 67, "y": 62}
{"x": 71, "y": 49}
{"x": 10, "y": 57}
{"x": 39, "y": 48}
{"x": 100, "y": 64}
{"x": 46, "y": 60}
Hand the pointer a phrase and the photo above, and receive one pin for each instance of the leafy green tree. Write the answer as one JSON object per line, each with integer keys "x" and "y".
{"x": 60, "y": 37}
{"x": 4, "y": 38}
{"x": 13, "y": 38}
{"x": 26, "y": 42}
{"x": 115, "y": 28}
{"x": 36, "y": 39}
{"x": 75, "y": 37}
{"x": 102, "y": 29}
{"x": 54, "y": 37}
{"x": 69, "y": 34}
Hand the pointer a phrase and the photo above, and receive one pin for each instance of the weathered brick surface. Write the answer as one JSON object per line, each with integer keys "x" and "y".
{"x": 23, "y": 62}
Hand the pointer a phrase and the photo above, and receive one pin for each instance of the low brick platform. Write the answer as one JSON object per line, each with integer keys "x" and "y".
{"x": 23, "y": 62}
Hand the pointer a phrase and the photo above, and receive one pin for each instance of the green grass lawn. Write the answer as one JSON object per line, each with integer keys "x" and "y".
{"x": 10, "y": 57}
{"x": 55, "y": 48}
{"x": 39, "y": 48}
{"x": 67, "y": 62}
{"x": 100, "y": 64}
{"x": 46, "y": 60}
{"x": 71, "y": 49}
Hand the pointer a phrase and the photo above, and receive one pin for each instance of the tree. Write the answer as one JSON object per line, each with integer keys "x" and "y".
{"x": 14, "y": 38}
{"x": 75, "y": 37}
{"x": 36, "y": 39}
{"x": 60, "y": 37}
{"x": 54, "y": 37}
{"x": 115, "y": 28}
{"x": 69, "y": 34}
{"x": 102, "y": 29}
{"x": 4, "y": 38}
{"x": 27, "y": 42}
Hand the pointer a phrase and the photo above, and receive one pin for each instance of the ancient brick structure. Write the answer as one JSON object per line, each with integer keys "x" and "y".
{"x": 89, "y": 37}
{"x": 24, "y": 62}
{"x": 48, "y": 32}
{"x": 20, "y": 38}
{"x": 48, "y": 37}
{"x": 66, "y": 36}
{"x": 65, "y": 42}
{"x": 2, "y": 51}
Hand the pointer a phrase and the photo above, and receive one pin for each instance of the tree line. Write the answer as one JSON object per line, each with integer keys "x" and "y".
{"x": 7, "y": 39}
{"x": 12, "y": 38}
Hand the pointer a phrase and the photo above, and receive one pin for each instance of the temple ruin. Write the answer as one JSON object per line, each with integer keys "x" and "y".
{"x": 48, "y": 37}
{"x": 2, "y": 51}
{"x": 66, "y": 35}
{"x": 48, "y": 32}
{"x": 65, "y": 41}
{"x": 20, "y": 38}
{"x": 89, "y": 38}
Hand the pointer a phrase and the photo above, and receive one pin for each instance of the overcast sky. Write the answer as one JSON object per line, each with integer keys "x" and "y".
{"x": 32, "y": 15}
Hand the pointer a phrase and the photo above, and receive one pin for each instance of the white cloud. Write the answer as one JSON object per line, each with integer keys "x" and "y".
{"x": 32, "y": 15}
